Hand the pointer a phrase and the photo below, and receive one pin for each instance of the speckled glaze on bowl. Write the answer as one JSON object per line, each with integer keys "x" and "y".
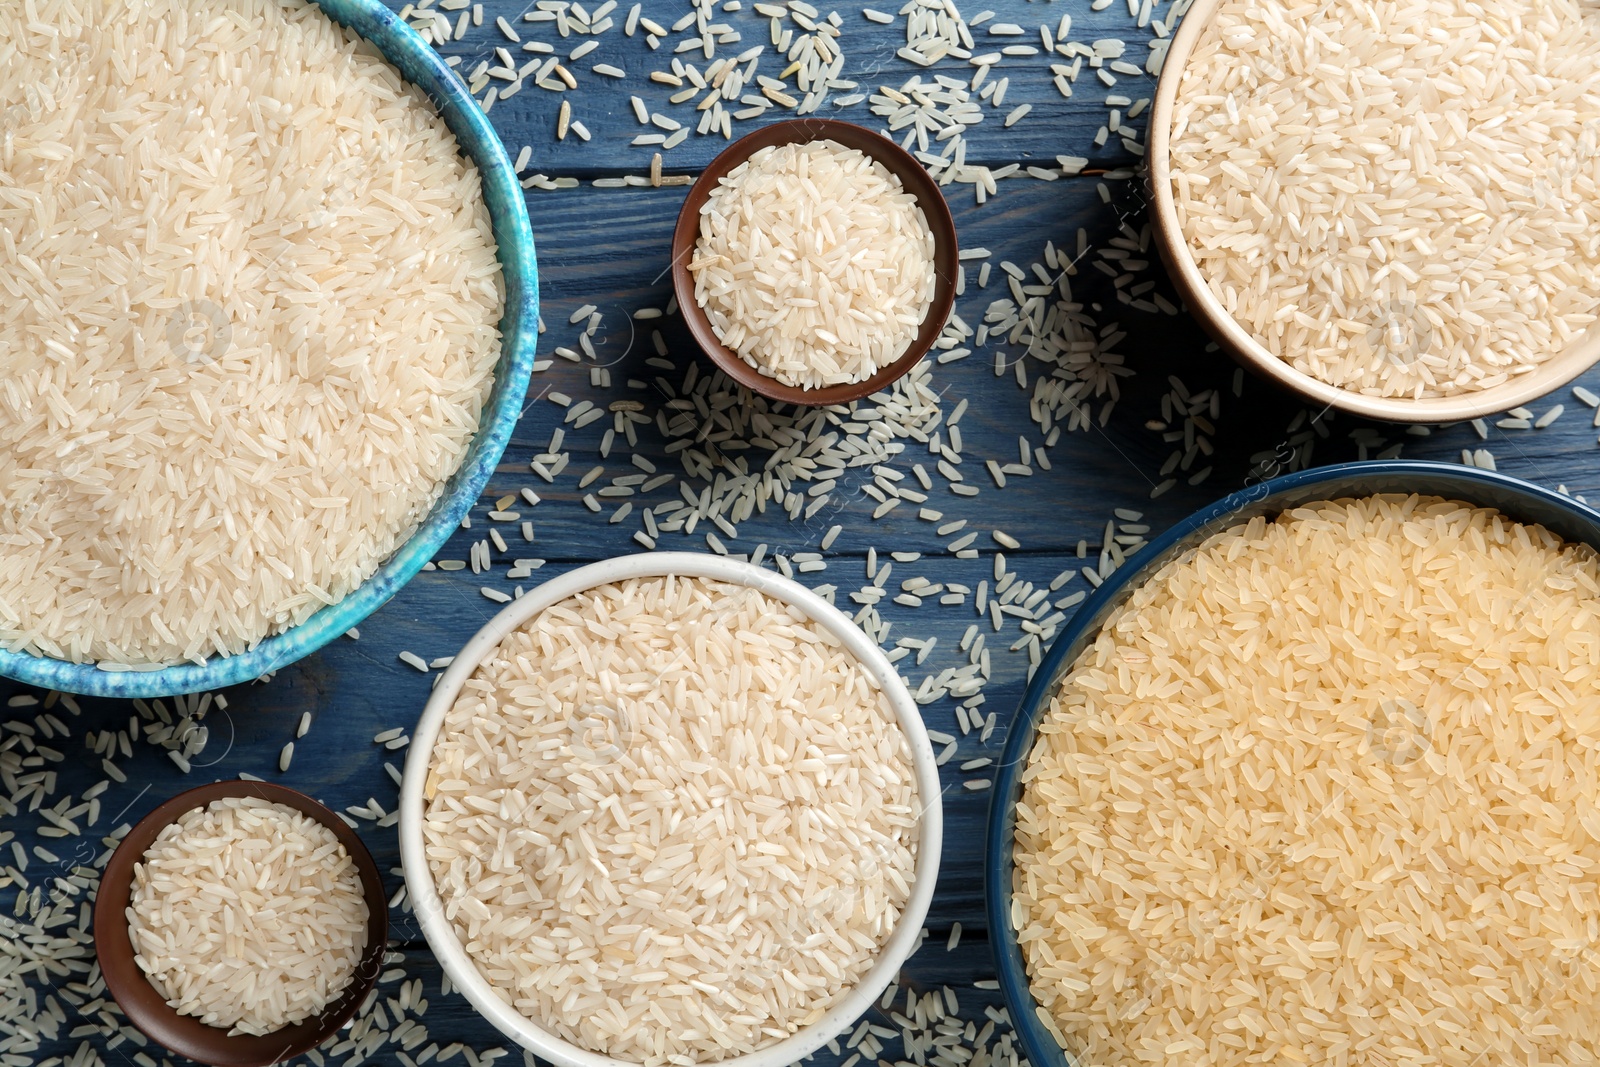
{"x": 1520, "y": 500}
{"x": 423, "y": 67}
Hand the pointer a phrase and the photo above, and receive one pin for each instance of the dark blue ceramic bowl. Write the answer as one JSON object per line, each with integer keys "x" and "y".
{"x": 1520, "y": 500}
{"x": 421, "y": 66}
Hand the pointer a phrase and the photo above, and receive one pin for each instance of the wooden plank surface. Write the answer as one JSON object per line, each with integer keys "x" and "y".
{"x": 609, "y": 247}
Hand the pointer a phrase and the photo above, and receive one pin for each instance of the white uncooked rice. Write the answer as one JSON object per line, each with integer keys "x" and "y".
{"x": 814, "y": 264}
{"x": 248, "y": 915}
{"x": 1325, "y": 791}
{"x": 1398, "y": 197}
{"x": 671, "y": 820}
{"x": 248, "y": 308}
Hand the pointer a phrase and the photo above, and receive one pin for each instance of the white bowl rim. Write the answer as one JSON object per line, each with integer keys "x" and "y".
{"x": 1552, "y": 374}
{"x": 424, "y": 897}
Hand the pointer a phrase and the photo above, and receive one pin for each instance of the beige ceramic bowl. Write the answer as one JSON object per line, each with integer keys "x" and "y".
{"x": 1226, "y": 331}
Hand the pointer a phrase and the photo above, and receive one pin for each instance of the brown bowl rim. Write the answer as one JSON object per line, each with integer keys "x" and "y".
{"x": 915, "y": 178}
{"x": 186, "y": 1035}
{"x": 1238, "y": 343}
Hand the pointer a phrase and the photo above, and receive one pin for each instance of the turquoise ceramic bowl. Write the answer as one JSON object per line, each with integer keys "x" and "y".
{"x": 424, "y": 68}
{"x": 1521, "y": 501}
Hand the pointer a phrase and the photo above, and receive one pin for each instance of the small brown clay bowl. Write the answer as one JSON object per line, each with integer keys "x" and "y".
{"x": 916, "y": 181}
{"x": 184, "y": 1034}
{"x": 1238, "y": 342}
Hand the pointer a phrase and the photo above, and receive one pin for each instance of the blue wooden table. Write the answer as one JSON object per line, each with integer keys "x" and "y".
{"x": 1185, "y": 428}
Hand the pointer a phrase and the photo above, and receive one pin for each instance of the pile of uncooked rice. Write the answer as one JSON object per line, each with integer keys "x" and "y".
{"x": 248, "y": 915}
{"x": 248, "y": 308}
{"x": 814, "y": 264}
{"x": 672, "y": 820}
{"x": 1325, "y": 791}
{"x": 1398, "y": 197}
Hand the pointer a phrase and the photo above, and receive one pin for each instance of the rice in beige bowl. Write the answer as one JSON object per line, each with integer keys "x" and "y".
{"x": 1397, "y": 197}
{"x": 1325, "y": 791}
{"x": 249, "y": 299}
{"x": 671, "y": 820}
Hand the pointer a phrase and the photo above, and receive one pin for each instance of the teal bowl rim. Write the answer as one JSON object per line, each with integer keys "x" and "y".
{"x": 420, "y": 65}
{"x": 1521, "y": 500}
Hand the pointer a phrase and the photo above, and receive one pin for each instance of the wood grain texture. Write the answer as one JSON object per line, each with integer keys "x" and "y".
{"x": 1055, "y": 125}
{"x": 609, "y": 247}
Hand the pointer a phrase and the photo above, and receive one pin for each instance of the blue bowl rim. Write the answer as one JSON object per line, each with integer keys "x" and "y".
{"x": 1038, "y": 1045}
{"x": 426, "y": 70}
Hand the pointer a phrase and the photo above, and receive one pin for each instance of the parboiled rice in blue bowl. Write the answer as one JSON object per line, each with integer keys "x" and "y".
{"x": 1321, "y": 753}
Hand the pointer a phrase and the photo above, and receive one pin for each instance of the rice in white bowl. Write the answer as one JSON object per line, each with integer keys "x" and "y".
{"x": 671, "y": 820}
{"x": 248, "y": 915}
{"x": 249, "y": 299}
{"x": 814, "y": 264}
{"x": 1326, "y": 790}
{"x": 1397, "y": 197}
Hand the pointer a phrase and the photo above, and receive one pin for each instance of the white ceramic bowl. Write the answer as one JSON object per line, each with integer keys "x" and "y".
{"x": 419, "y": 879}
